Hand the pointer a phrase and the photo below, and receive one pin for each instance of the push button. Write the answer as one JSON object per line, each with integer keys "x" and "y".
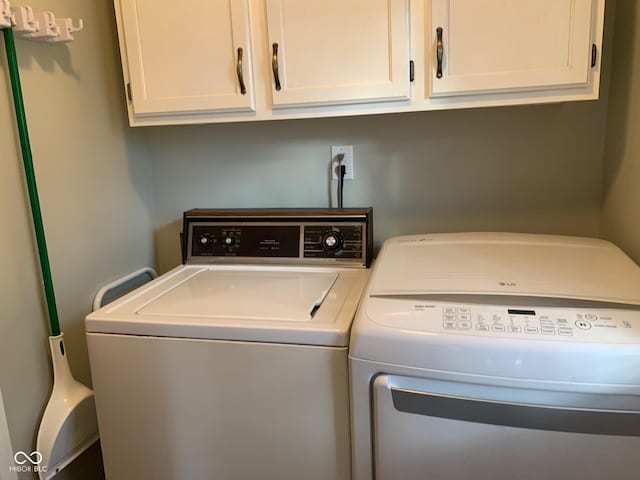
{"x": 583, "y": 325}
{"x": 530, "y": 330}
{"x": 498, "y": 328}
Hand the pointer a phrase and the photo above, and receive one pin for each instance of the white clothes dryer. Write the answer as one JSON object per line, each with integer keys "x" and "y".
{"x": 234, "y": 365}
{"x": 497, "y": 357}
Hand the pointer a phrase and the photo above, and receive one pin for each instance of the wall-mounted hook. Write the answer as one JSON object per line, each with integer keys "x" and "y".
{"x": 43, "y": 26}
{"x": 47, "y": 27}
{"x": 5, "y": 14}
{"x": 24, "y": 20}
{"x": 67, "y": 29}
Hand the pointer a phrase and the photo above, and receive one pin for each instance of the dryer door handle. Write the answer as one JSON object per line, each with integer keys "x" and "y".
{"x": 535, "y": 417}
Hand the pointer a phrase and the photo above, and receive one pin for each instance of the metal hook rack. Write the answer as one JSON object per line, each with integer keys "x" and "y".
{"x": 39, "y": 26}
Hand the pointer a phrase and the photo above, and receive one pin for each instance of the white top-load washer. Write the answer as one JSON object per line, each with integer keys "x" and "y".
{"x": 497, "y": 356}
{"x": 234, "y": 365}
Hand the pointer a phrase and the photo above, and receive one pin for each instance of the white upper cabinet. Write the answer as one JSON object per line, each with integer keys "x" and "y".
{"x": 493, "y": 46}
{"x": 188, "y": 57}
{"x": 336, "y": 52}
{"x": 200, "y": 61}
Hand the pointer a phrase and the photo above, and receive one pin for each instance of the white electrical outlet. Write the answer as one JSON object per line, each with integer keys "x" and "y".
{"x": 347, "y": 161}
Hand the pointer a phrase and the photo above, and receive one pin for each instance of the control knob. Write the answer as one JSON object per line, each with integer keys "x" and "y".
{"x": 206, "y": 240}
{"x": 332, "y": 241}
{"x": 230, "y": 241}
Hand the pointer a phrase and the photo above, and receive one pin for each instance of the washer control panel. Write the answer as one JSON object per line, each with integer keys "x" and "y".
{"x": 244, "y": 240}
{"x": 333, "y": 241}
{"x": 340, "y": 237}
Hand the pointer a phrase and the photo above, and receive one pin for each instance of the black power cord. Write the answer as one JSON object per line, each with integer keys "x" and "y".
{"x": 342, "y": 171}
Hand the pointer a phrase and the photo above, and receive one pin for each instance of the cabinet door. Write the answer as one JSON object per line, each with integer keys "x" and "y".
{"x": 509, "y": 45}
{"x": 333, "y": 52}
{"x": 185, "y": 58}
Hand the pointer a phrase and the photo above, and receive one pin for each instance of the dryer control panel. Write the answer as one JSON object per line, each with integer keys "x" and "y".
{"x": 545, "y": 322}
{"x": 614, "y": 324}
{"x": 303, "y": 236}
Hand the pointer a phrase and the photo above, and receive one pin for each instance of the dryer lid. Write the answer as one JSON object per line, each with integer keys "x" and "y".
{"x": 506, "y": 264}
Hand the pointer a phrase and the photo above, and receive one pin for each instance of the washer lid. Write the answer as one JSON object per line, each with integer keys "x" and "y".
{"x": 231, "y": 294}
{"x": 506, "y": 264}
{"x": 295, "y": 305}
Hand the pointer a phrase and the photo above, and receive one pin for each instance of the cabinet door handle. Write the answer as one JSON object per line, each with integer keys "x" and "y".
{"x": 243, "y": 88}
{"x": 439, "y": 52}
{"x": 274, "y": 66}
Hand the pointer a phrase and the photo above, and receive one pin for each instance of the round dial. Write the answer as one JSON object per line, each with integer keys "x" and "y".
{"x": 332, "y": 241}
{"x": 230, "y": 241}
{"x": 206, "y": 240}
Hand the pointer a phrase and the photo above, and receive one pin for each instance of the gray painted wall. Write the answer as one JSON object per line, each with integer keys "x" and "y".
{"x": 621, "y": 200}
{"x": 525, "y": 169}
{"x": 95, "y": 192}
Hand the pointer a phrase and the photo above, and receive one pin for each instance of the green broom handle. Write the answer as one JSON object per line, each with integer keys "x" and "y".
{"x": 32, "y": 187}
